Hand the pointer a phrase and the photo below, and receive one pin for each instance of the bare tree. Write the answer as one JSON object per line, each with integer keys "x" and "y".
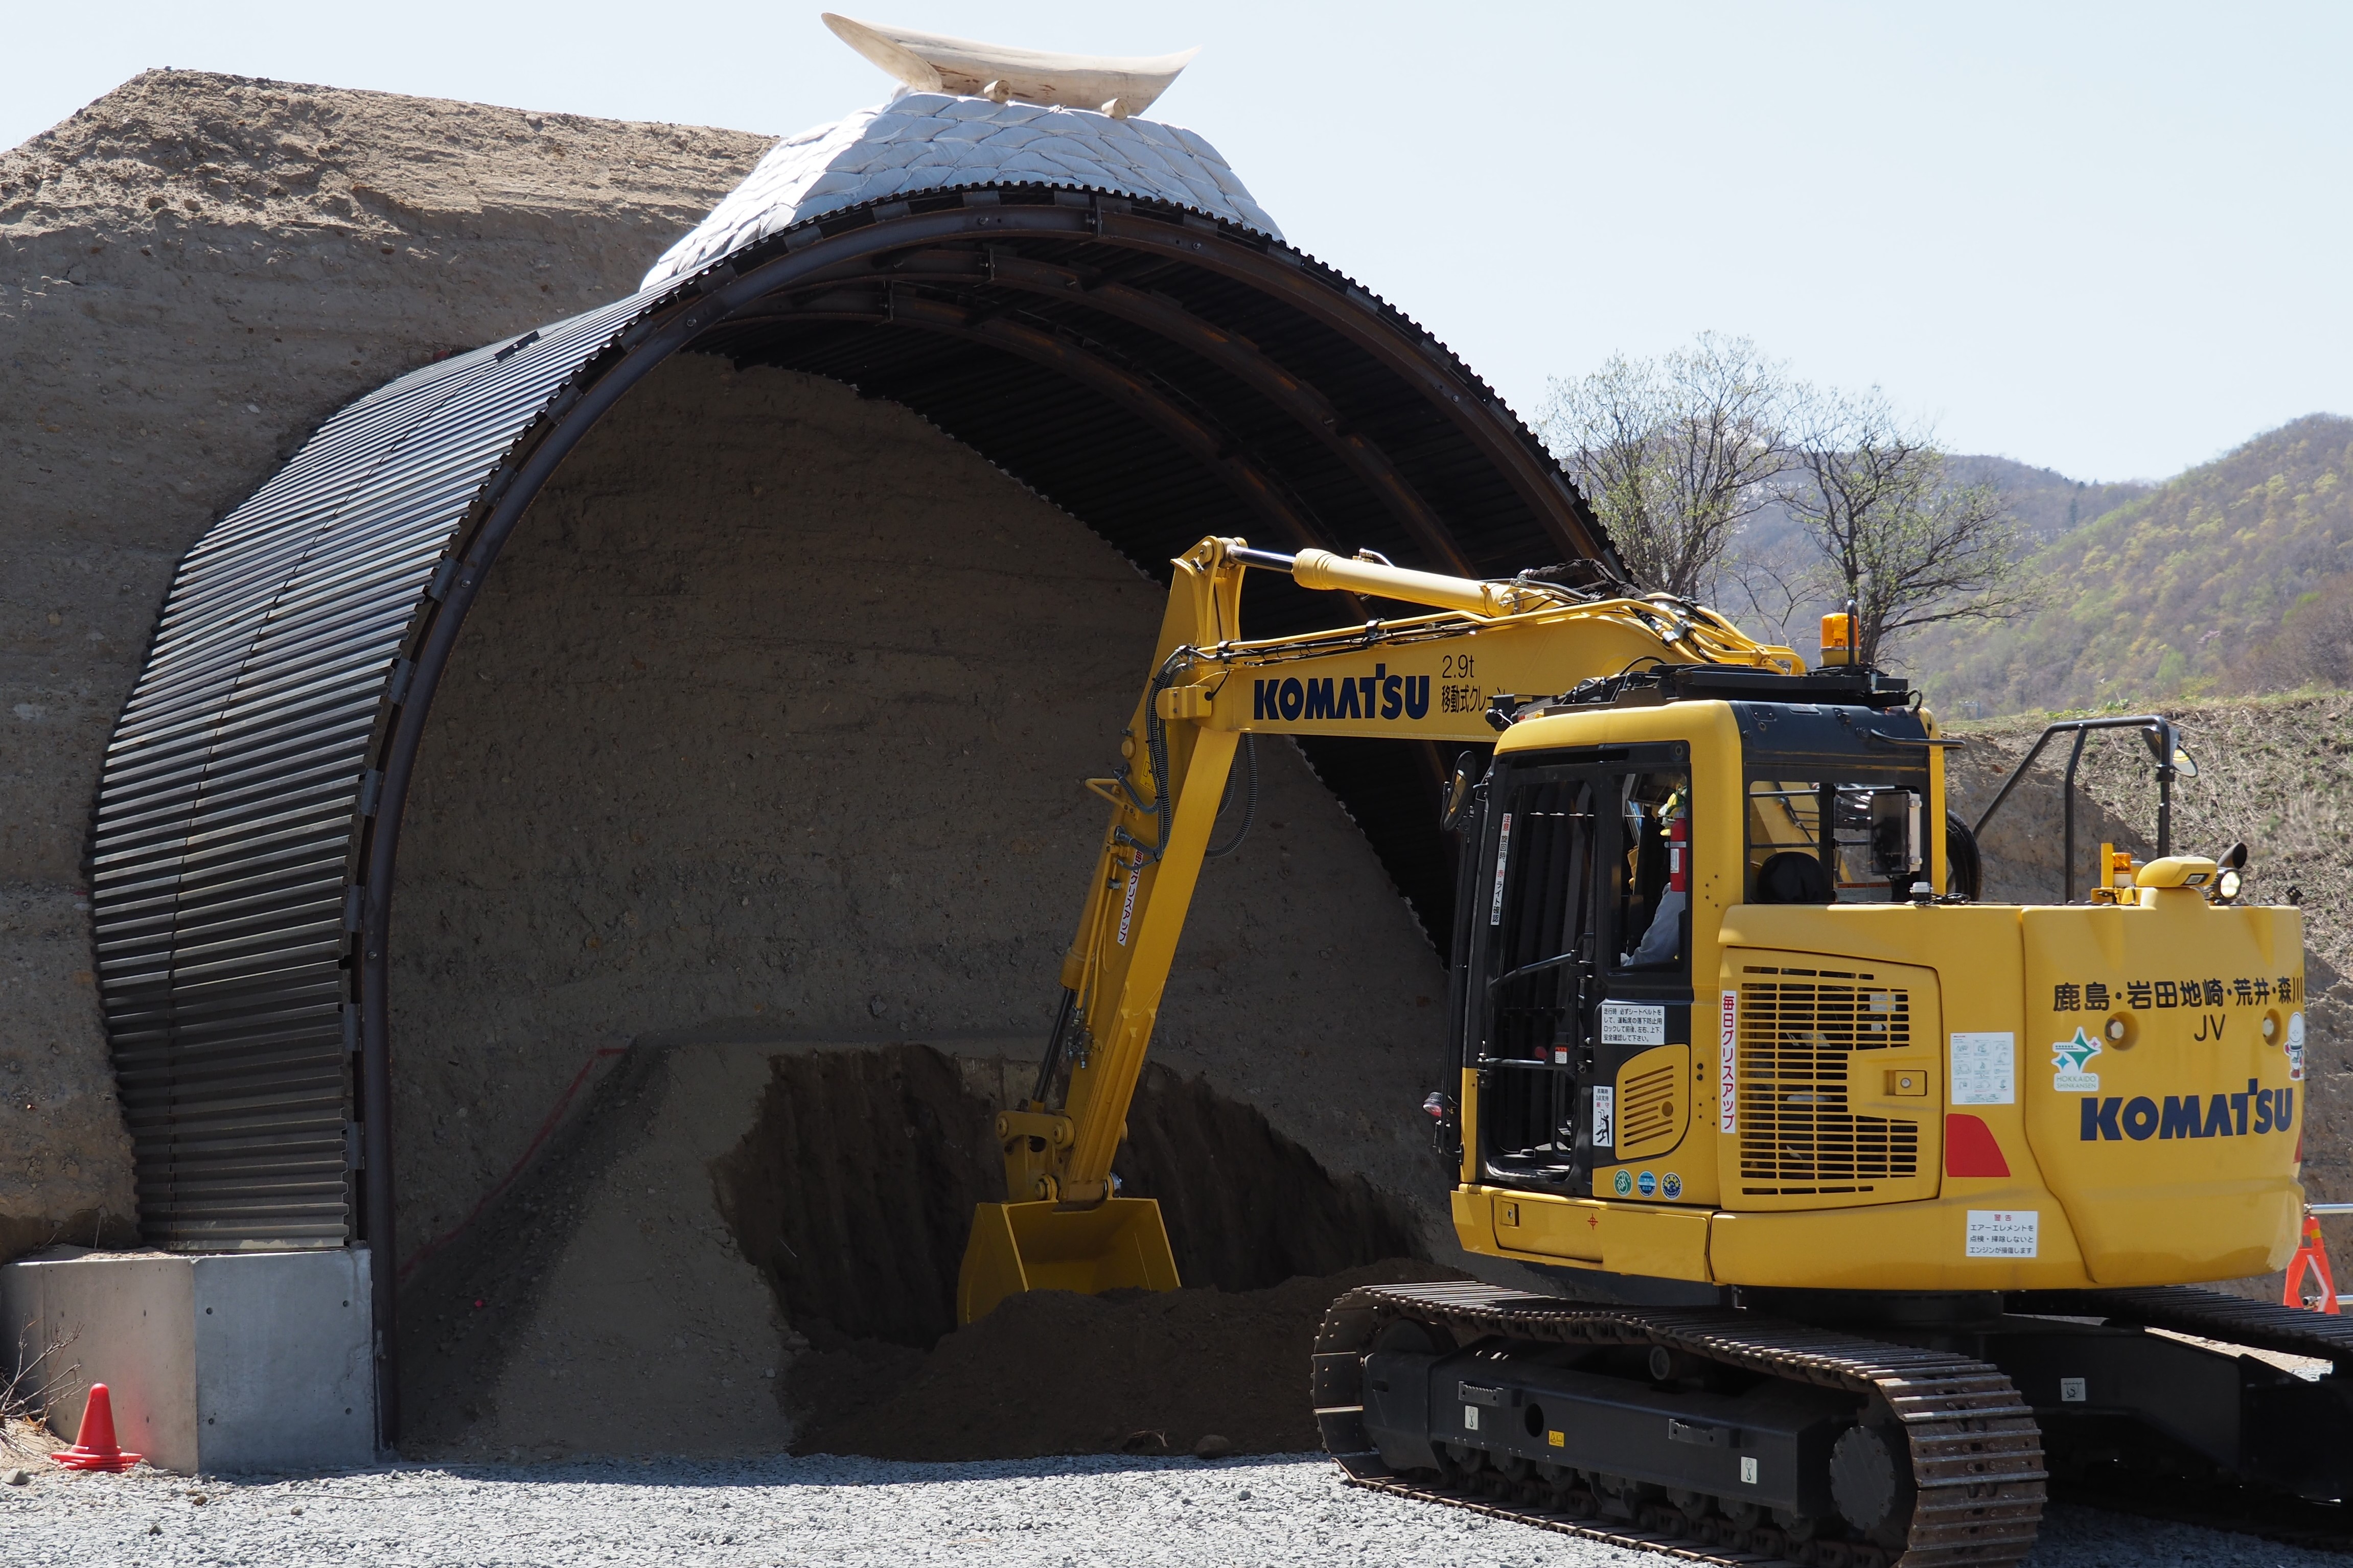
{"x": 1673, "y": 453}
{"x": 1893, "y": 533}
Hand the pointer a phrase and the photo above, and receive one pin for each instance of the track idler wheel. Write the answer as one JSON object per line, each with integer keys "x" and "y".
{"x": 1871, "y": 1482}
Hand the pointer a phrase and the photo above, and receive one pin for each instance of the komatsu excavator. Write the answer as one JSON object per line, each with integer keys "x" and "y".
{"x": 1869, "y": 1206}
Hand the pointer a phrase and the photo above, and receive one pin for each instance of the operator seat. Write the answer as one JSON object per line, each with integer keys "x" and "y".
{"x": 1793, "y": 876}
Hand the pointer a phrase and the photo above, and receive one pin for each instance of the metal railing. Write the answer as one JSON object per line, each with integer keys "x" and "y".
{"x": 2163, "y": 740}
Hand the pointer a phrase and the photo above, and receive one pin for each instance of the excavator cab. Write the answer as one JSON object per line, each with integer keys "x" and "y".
{"x": 1595, "y": 870}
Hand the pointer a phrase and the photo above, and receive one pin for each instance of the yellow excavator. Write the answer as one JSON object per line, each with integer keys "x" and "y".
{"x": 1869, "y": 1207}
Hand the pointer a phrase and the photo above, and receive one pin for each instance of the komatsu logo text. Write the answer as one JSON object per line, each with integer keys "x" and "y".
{"x": 2258, "y": 1110}
{"x": 1379, "y": 695}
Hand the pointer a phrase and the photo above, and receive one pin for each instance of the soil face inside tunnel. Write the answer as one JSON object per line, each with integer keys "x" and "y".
{"x": 769, "y": 723}
{"x": 764, "y": 739}
{"x": 854, "y": 1193}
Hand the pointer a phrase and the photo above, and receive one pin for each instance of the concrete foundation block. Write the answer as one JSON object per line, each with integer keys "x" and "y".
{"x": 217, "y": 1363}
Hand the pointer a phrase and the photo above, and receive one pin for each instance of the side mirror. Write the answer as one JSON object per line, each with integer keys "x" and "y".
{"x": 2184, "y": 764}
{"x": 1455, "y": 809}
{"x": 1894, "y": 832}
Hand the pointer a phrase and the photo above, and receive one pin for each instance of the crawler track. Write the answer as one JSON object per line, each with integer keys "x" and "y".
{"x": 2230, "y": 1320}
{"x": 1977, "y": 1454}
{"x": 2209, "y": 1314}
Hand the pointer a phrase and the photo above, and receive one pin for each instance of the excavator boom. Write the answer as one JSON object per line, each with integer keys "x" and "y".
{"x": 1436, "y": 677}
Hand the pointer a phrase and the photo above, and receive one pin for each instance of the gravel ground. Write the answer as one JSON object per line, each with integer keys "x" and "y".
{"x": 821, "y": 1509}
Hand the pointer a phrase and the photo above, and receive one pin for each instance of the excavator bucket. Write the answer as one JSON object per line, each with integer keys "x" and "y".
{"x": 1120, "y": 1244}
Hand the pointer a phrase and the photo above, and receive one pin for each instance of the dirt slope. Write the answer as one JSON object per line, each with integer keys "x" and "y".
{"x": 195, "y": 271}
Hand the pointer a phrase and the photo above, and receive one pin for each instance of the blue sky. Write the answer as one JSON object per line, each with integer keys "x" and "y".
{"x": 2112, "y": 240}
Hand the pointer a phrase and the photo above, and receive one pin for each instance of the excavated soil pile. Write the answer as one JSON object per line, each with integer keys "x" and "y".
{"x": 1052, "y": 1373}
{"x": 655, "y": 1282}
{"x": 854, "y": 1194}
{"x": 854, "y": 1191}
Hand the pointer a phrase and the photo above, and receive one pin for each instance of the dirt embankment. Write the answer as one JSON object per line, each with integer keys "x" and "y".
{"x": 195, "y": 271}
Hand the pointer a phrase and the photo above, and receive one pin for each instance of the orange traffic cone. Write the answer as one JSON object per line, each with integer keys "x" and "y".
{"x": 2313, "y": 1256}
{"x": 95, "y": 1448}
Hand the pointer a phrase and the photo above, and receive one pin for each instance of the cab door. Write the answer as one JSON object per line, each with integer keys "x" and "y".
{"x": 1574, "y": 861}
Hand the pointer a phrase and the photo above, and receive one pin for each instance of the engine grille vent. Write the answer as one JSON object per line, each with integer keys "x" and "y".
{"x": 1798, "y": 1031}
{"x": 1647, "y": 1110}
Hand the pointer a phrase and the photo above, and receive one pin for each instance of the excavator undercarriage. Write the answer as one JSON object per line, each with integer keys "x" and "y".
{"x": 1752, "y": 1435}
{"x": 1733, "y": 1435}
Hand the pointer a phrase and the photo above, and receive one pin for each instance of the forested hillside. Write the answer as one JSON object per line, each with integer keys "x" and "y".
{"x": 2046, "y": 502}
{"x": 2232, "y": 577}
{"x": 1762, "y": 587}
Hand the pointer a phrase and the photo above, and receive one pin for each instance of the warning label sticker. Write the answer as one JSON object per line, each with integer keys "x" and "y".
{"x": 1634, "y": 1023}
{"x": 2004, "y": 1233}
{"x": 1502, "y": 860}
{"x": 1985, "y": 1068}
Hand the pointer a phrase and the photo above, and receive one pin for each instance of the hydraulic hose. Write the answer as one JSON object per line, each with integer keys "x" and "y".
{"x": 1155, "y": 751}
{"x": 1249, "y": 801}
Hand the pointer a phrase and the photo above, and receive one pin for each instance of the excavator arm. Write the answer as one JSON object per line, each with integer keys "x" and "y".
{"x": 1487, "y": 647}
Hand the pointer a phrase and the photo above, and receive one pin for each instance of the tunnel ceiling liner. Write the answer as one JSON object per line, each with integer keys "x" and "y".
{"x": 1158, "y": 372}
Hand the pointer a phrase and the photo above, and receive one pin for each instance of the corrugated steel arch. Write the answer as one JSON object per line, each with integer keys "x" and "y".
{"x": 248, "y": 814}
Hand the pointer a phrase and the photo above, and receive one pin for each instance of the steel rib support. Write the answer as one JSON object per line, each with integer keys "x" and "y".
{"x": 1472, "y": 410}
{"x": 1246, "y": 478}
{"x": 1239, "y": 357}
{"x": 1229, "y": 350}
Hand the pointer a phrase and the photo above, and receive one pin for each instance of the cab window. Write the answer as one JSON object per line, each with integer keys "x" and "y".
{"x": 1651, "y": 874}
{"x": 1828, "y": 841}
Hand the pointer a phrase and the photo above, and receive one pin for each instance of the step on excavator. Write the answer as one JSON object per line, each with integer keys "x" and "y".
{"x": 1864, "y": 1207}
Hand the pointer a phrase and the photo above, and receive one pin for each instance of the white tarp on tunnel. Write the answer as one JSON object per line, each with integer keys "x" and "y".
{"x": 927, "y": 140}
